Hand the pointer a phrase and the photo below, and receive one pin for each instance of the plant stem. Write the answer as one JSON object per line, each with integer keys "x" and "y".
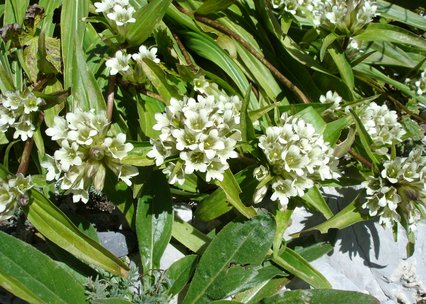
{"x": 284, "y": 80}
{"x": 185, "y": 54}
{"x": 110, "y": 97}
{"x": 26, "y": 154}
{"x": 361, "y": 158}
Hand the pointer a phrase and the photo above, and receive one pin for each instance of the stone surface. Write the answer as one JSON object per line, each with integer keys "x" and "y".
{"x": 119, "y": 243}
{"x": 366, "y": 257}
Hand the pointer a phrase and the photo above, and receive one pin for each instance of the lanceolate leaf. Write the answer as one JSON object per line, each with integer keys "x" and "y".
{"x": 237, "y": 244}
{"x": 348, "y": 216}
{"x": 54, "y": 225}
{"x": 181, "y": 272}
{"x": 398, "y": 13}
{"x": 154, "y": 220}
{"x": 315, "y": 200}
{"x": 295, "y": 264}
{"x": 15, "y": 11}
{"x": 33, "y": 276}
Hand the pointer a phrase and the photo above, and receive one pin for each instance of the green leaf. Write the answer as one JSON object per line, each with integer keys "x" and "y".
{"x": 6, "y": 77}
{"x": 334, "y": 129}
{"x": 232, "y": 190}
{"x": 345, "y": 69}
{"x": 147, "y": 108}
{"x": 154, "y": 220}
{"x": 321, "y": 296}
{"x": 282, "y": 219}
{"x": 261, "y": 291}
{"x": 311, "y": 116}
{"x": 236, "y": 244}
{"x": 147, "y": 17}
{"x": 213, "y": 6}
{"x": 158, "y": 79}
{"x": 348, "y": 216}
{"x": 72, "y": 14}
{"x": 328, "y": 40}
{"x": 14, "y": 11}
{"x": 398, "y": 13}
{"x": 314, "y": 199}
{"x": 86, "y": 92}
{"x": 297, "y": 265}
{"x": 180, "y": 273}
{"x": 189, "y": 236}
{"x": 246, "y": 126}
{"x": 54, "y": 225}
{"x": 35, "y": 277}
{"x": 315, "y": 251}
{"x": 391, "y": 33}
{"x": 137, "y": 156}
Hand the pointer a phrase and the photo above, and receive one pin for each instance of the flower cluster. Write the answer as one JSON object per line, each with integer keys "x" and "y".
{"x": 400, "y": 190}
{"x": 297, "y": 157}
{"x": 16, "y": 111}
{"x": 344, "y": 16}
{"x": 201, "y": 134}
{"x": 13, "y": 191}
{"x": 382, "y": 125}
{"x": 86, "y": 150}
{"x": 119, "y": 11}
{"x": 121, "y": 62}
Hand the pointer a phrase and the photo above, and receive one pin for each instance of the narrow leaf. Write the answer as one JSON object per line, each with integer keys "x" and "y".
{"x": 180, "y": 273}
{"x": 316, "y": 201}
{"x": 321, "y": 296}
{"x": 213, "y": 6}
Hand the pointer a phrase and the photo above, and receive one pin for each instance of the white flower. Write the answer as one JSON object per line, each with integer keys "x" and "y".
{"x": 126, "y": 173}
{"x": 201, "y": 84}
{"x": 144, "y": 52}
{"x": 122, "y": 15}
{"x": 215, "y": 170}
{"x": 53, "y": 172}
{"x": 117, "y": 146}
{"x": 69, "y": 155}
{"x": 333, "y": 98}
{"x": 104, "y": 6}
{"x": 119, "y": 63}
{"x": 59, "y": 130}
{"x": 31, "y": 103}
{"x": 13, "y": 191}
{"x": 23, "y": 128}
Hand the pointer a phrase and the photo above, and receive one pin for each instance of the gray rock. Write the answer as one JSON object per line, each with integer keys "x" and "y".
{"x": 119, "y": 243}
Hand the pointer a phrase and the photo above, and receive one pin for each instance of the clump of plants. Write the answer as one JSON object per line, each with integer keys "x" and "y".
{"x": 243, "y": 110}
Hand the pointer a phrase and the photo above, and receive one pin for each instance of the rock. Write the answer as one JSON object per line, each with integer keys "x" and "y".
{"x": 119, "y": 243}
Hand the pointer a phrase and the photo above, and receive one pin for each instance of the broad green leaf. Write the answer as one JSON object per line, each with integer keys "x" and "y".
{"x": 154, "y": 220}
{"x": 189, "y": 236}
{"x": 348, "y": 216}
{"x": 147, "y": 17}
{"x": 398, "y": 13}
{"x": 232, "y": 190}
{"x": 54, "y": 225}
{"x": 236, "y": 244}
{"x": 345, "y": 69}
{"x": 35, "y": 277}
{"x": 391, "y": 33}
{"x": 328, "y": 40}
{"x": 321, "y": 296}
{"x": 213, "y": 6}
{"x": 314, "y": 199}
{"x": 72, "y": 14}
{"x": 297, "y": 265}
{"x": 180, "y": 273}
{"x": 14, "y": 11}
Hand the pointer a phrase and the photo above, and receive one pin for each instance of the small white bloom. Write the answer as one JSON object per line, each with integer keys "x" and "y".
{"x": 201, "y": 84}
{"x": 23, "y": 129}
{"x": 31, "y": 103}
{"x": 53, "y": 172}
{"x": 59, "y": 130}
{"x": 104, "y": 6}
{"x": 119, "y": 63}
{"x": 122, "y": 15}
{"x": 117, "y": 146}
{"x": 144, "y": 52}
{"x": 69, "y": 155}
